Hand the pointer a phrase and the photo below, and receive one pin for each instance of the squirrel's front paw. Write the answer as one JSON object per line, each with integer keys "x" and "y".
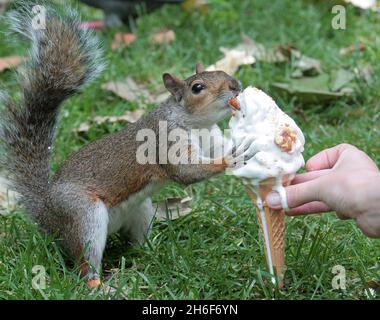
{"x": 241, "y": 153}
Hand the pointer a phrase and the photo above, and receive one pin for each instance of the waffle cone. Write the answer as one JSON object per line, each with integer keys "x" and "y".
{"x": 275, "y": 221}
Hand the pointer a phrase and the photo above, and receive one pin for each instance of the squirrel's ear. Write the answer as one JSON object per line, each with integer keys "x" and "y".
{"x": 199, "y": 68}
{"x": 174, "y": 85}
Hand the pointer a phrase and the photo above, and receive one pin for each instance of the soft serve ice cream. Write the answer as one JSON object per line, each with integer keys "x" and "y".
{"x": 275, "y": 137}
{"x": 277, "y": 144}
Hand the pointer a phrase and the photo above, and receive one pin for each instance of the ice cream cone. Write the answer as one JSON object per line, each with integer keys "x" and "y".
{"x": 275, "y": 222}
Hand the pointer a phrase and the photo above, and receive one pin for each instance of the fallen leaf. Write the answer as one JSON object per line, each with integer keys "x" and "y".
{"x": 250, "y": 51}
{"x": 163, "y": 36}
{"x": 3, "y": 5}
{"x": 373, "y": 284}
{"x": 262, "y": 53}
{"x": 92, "y": 25}
{"x": 7, "y": 197}
{"x": 303, "y": 65}
{"x": 83, "y": 127}
{"x": 340, "y": 79}
{"x": 322, "y": 88}
{"x": 364, "y": 72}
{"x": 304, "y": 94}
{"x": 173, "y": 208}
{"x": 357, "y": 112}
{"x": 242, "y": 54}
{"x": 9, "y": 62}
{"x": 122, "y": 40}
{"x": 129, "y": 90}
{"x": 129, "y": 116}
{"x": 233, "y": 59}
{"x": 162, "y": 96}
{"x": 352, "y": 48}
{"x": 373, "y": 289}
{"x": 364, "y": 4}
{"x": 192, "y": 5}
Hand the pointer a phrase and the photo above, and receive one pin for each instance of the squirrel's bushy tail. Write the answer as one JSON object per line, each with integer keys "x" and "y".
{"x": 62, "y": 59}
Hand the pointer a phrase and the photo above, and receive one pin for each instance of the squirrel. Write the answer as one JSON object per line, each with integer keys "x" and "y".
{"x": 100, "y": 189}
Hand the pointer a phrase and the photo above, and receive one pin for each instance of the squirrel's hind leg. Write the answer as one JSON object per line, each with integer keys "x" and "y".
{"x": 82, "y": 222}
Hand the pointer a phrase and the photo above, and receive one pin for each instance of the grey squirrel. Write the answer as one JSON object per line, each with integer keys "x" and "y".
{"x": 101, "y": 189}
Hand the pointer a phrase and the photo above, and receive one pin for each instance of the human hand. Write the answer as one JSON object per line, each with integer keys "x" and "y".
{"x": 342, "y": 179}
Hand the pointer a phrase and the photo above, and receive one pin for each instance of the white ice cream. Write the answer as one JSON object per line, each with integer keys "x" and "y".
{"x": 262, "y": 121}
{"x": 277, "y": 142}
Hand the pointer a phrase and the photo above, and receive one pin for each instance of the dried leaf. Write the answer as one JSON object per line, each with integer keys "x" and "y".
{"x": 83, "y": 127}
{"x": 192, "y": 5}
{"x": 3, "y": 5}
{"x": 243, "y": 54}
{"x": 250, "y": 51}
{"x": 374, "y": 284}
{"x": 341, "y": 79}
{"x": 9, "y": 62}
{"x": 364, "y": 4}
{"x": 92, "y": 25}
{"x": 232, "y": 60}
{"x": 364, "y": 72}
{"x": 262, "y": 53}
{"x": 173, "y": 208}
{"x": 122, "y": 40}
{"x": 374, "y": 289}
{"x": 317, "y": 89}
{"x": 163, "y": 36}
{"x": 162, "y": 96}
{"x": 352, "y": 48}
{"x": 303, "y": 65}
{"x": 129, "y": 116}
{"x": 306, "y": 95}
{"x": 129, "y": 90}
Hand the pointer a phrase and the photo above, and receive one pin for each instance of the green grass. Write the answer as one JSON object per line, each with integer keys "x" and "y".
{"x": 216, "y": 252}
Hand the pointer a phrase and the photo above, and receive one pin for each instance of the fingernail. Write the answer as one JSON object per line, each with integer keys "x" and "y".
{"x": 273, "y": 199}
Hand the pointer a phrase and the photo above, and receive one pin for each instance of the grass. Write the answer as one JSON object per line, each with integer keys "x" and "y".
{"x": 216, "y": 252}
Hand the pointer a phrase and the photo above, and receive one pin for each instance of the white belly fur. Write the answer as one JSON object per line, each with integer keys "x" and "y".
{"x": 126, "y": 213}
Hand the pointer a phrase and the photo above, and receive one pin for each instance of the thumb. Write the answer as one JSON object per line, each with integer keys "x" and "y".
{"x": 297, "y": 194}
{"x": 326, "y": 159}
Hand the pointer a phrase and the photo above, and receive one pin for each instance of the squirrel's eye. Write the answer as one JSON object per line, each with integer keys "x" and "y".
{"x": 197, "y": 88}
